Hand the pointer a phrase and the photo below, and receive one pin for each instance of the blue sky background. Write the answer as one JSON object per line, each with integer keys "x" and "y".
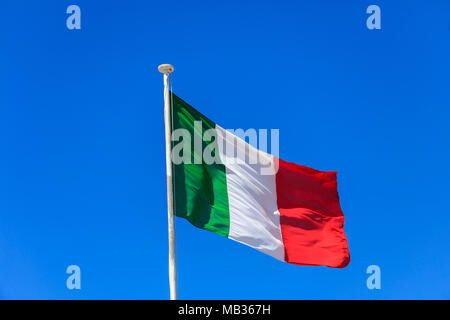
{"x": 82, "y": 165}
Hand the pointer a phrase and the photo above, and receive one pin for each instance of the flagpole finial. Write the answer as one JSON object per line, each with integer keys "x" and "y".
{"x": 165, "y": 68}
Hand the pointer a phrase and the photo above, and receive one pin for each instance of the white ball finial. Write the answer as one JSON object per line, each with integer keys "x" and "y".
{"x": 165, "y": 68}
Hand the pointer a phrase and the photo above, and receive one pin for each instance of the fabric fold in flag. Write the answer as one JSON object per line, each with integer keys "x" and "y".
{"x": 224, "y": 185}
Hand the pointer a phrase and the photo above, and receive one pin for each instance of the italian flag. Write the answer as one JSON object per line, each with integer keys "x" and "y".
{"x": 288, "y": 211}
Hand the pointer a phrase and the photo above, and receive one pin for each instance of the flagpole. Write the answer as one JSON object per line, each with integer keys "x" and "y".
{"x": 166, "y": 69}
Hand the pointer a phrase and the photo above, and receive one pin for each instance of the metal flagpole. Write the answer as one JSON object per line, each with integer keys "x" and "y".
{"x": 166, "y": 69}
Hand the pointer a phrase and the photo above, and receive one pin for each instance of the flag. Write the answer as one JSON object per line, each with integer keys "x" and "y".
{"x": 224, "y": 185}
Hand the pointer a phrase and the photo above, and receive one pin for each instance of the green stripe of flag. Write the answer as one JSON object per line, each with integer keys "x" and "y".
{"x": 200, "y": 190}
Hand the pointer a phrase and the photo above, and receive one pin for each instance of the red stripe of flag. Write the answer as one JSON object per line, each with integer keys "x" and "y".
{"x": 312, "y": 222}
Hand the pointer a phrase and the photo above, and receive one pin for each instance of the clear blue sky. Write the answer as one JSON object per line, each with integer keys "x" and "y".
{"x": 82, "y": 166}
